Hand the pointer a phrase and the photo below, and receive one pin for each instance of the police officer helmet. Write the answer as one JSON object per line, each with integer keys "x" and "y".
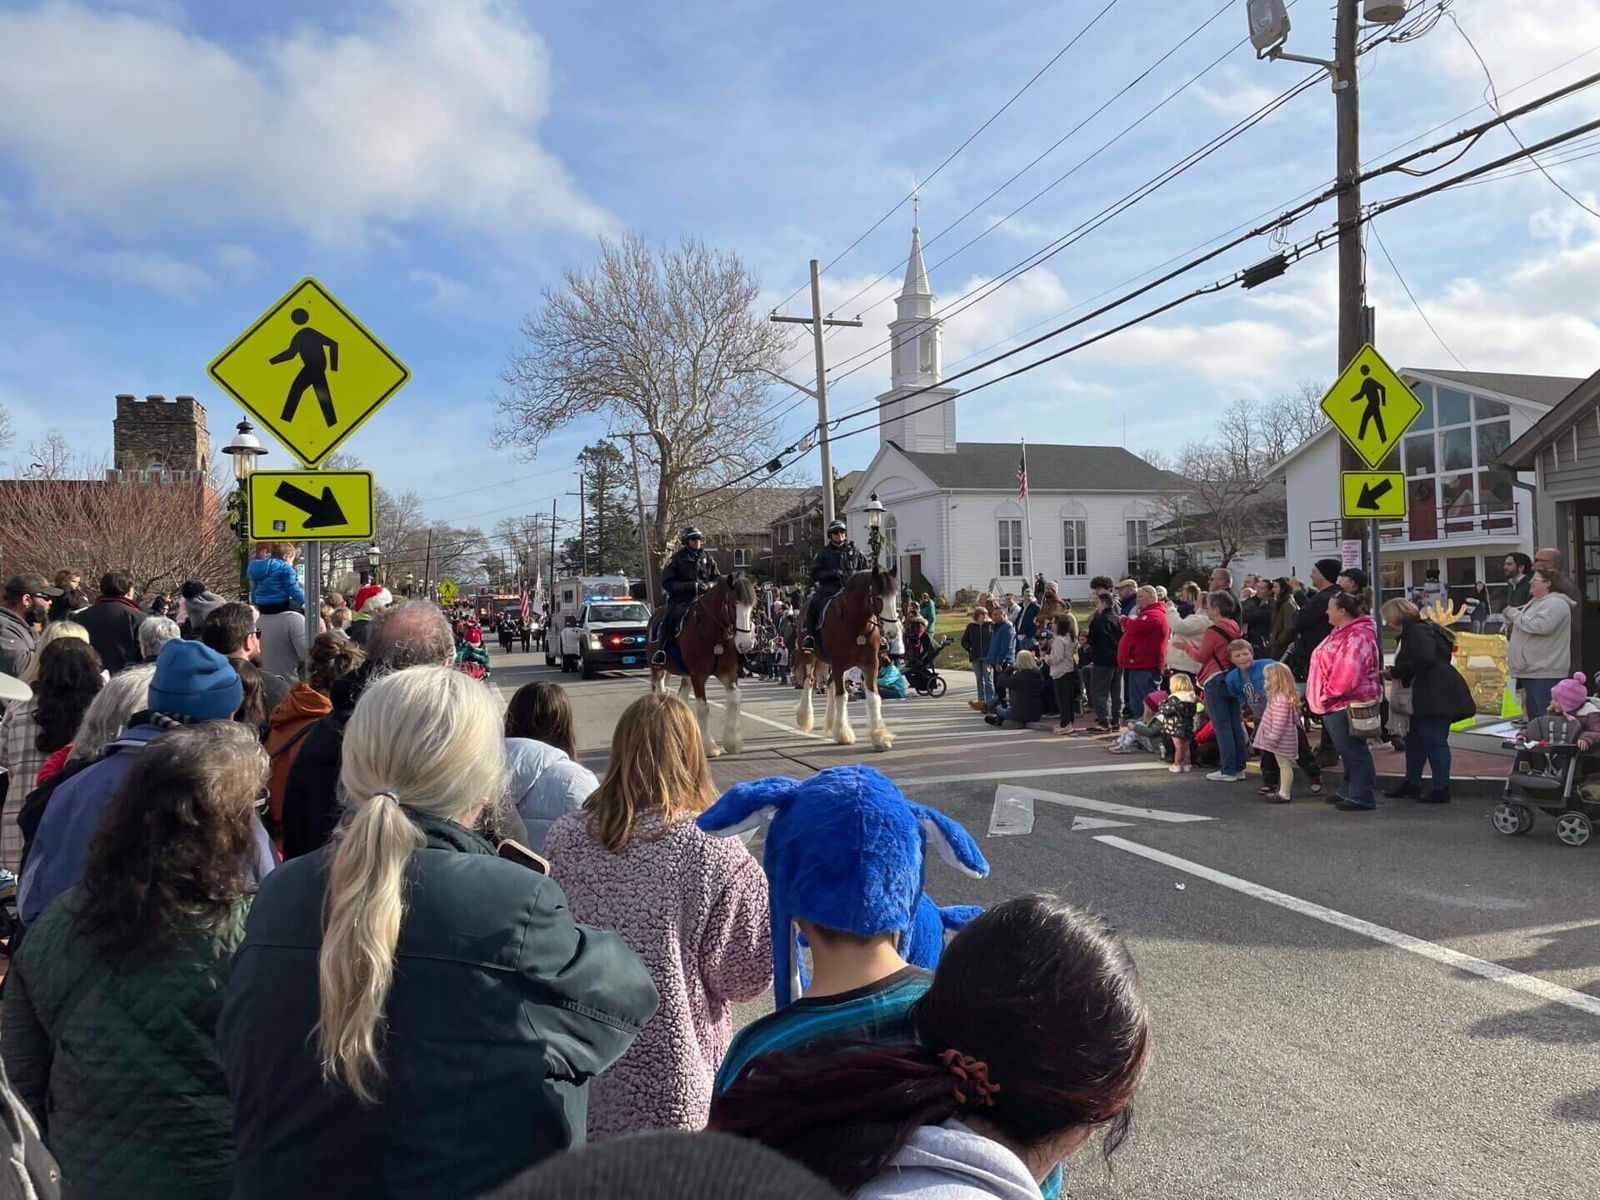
{"x": 837, "y": 527}
{"x": 689, "y": 531}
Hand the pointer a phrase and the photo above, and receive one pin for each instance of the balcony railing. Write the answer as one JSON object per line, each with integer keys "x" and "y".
{"x": 1430, "y": 524}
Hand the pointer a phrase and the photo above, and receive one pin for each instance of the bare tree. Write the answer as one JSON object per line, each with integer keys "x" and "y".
{"x": 160, "y": 530}
{"x": 664, "y": 341}
{"x": 52, "y": 458}
{"x": 7, "y": 432}
{"x": 1223, "y": 503}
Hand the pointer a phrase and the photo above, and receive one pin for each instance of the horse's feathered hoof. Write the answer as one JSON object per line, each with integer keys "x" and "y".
{"x": 882, "y": 739}
{"x": 713, "y": 751}
{"x": 733, "y": 747}
{"x": 804, "y": 719}
{"x": 845, "y": 737}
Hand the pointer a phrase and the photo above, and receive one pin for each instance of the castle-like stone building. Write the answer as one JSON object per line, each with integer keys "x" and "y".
{"x": 160, "y": 436}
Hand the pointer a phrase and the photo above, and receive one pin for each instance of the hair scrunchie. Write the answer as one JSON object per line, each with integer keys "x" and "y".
{"x": 970, "y": 1073}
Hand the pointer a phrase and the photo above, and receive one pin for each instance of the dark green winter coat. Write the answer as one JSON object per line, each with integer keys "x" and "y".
{"x": 118, "y": 1060}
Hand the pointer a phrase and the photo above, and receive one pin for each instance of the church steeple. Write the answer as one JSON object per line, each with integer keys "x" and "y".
{"x": 912, "y": 416}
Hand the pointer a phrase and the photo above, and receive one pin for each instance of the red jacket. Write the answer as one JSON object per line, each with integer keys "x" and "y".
{"x": 1144, "y": 639}
{"x": 1213, "y": 650}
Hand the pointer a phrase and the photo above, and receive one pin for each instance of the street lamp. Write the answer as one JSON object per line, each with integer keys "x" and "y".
{"x": 244, "y": 450}
{"x": 874, "y": 527}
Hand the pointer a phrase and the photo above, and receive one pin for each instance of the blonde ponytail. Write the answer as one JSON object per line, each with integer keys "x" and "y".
{"x": 361, "y": 928}
{"x": 428, "y": 737}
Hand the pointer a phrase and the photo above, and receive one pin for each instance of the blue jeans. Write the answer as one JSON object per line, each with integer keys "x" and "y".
{"x": 1227, "y": 720}
{"x": 985, "y": 682}
{"x": 1428, "y": 741}
{"x": 1359, "y": 773}
{"x": 1140, "y": 684}
{"x": 1538, "y": 691}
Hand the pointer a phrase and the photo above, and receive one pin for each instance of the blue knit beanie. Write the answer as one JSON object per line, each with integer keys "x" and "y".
{"x": 192, "y": 680}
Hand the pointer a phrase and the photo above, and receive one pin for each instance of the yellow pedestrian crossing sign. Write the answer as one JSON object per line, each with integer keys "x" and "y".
{"x": 319, "y": 506}
{"x": 1372, "y": 494}
{"x": 309, "y": 372}
{"x": 1371, "y": 407}
{"x": 448, "y": 591}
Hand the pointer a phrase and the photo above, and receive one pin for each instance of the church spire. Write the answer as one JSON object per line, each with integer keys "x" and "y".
{"x": 916, "y": 274}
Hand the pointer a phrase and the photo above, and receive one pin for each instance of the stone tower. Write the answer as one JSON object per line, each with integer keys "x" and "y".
{"x": 160, "y": 434}
{"x": 918, "y": 413}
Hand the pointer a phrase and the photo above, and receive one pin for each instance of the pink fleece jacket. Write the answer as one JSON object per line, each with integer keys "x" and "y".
{"x": 694, "y": 907}
{"x": 1344, "y": 668}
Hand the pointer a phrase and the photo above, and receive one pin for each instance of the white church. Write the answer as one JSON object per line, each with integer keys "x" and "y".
{"x": 951, "y": 508}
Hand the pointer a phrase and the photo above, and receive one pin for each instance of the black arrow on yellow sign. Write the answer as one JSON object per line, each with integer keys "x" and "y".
{"x": 1370, "y": 495}
{"x": 319, "y": 513}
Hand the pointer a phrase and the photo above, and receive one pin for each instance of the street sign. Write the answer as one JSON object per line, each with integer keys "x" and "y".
{"x": 309, "y": 372}
{"x": 1371, "y": 407}
{"x": 1372, "y": 494}
{"x": 448, "y": 591}
{"x": 317, "y": 506}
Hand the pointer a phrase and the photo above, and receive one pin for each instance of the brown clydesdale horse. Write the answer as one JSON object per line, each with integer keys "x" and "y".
{"x": 716, "y": 630}
{"x": 863, "y": 617}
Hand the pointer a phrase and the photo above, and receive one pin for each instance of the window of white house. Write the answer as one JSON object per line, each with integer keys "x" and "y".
{"x": 741, "y": 557}
{"x": 1075, "y": 547}
{"x": 889, "y": 531}
{"x": 1277, "y": 547}
{"x": 1010, "y": 547}
{"x": 1449, "y": 458}
{"x": 1138, "y": 544}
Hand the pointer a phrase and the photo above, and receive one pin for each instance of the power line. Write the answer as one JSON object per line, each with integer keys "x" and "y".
{"x": 1372, "y": 228}
{"x": 949, "y": 158}
{"x": 1494, "y": 100}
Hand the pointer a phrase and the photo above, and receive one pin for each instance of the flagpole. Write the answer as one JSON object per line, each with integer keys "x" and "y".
{"x": 1027, "y": 515}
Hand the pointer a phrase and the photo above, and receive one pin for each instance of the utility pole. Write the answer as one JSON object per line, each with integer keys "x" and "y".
{"x": 583, "y": 528}
{"x": 645, "y": 564}
{"x": 427, "y": 564}
{"x": 817, "y": 322}
{"x": 551, "y": 599}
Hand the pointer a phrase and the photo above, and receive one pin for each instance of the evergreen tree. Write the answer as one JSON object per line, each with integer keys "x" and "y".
{"x": 610, "y": 532}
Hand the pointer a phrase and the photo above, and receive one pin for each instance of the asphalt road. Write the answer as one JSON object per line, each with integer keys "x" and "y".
{"x": 1396, "y": 1004}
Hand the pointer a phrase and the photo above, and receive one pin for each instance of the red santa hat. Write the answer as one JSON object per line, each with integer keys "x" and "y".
{"x": 371, "y": 592}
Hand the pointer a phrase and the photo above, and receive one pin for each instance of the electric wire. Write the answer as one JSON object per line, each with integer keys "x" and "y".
{"x": 1372, "y": 228}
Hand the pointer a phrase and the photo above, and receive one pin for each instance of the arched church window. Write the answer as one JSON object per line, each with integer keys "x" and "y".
{"x": 928, "y": 352}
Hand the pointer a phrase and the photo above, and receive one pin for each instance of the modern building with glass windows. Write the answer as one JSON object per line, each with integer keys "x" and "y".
{"x": 1466, "y": 509}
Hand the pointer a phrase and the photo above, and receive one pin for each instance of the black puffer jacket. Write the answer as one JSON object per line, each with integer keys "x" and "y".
{"x": 975, "y": 640}
{"x": 1105, "y": 632}
{"x": 834, "y": 564}
{"x": 502, "y": 1010}
{"x": 1423, "y": 663}
{"x": 1024, "y": 694}
{"x": 688, "y": 574}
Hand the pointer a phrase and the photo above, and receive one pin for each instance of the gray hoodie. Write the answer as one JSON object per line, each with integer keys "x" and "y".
{"x": 951, "y": 1162}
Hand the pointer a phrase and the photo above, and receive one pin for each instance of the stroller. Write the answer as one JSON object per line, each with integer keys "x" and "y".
{"x": 1552, "y": 773}
{"x": 922, "y": 675}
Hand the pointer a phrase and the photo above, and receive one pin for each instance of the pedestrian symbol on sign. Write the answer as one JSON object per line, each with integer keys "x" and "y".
{"x": 1374, "y": 394}
{"x": 307, "y": 345}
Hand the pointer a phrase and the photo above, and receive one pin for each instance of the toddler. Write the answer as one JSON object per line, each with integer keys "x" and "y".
{"x": 1177, "y": 713}
{"x": 1278, "y": 729}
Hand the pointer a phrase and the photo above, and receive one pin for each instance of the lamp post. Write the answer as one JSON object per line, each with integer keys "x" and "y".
{"x": 374, "y": 556}
{"x": 244, "y": 449}
{"x": 874, "y": 527}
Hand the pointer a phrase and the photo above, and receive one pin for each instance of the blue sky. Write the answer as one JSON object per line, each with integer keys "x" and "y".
{"x": 167, "y": 170}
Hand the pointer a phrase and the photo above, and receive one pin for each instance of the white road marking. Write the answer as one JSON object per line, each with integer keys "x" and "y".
{"x": 1105, "y": 806}
{"x": 1534, "y": 986}
{"x": 1011, "y": 815}
{"x": 1098, "y": 823}
{"x": 1038, "y": 772}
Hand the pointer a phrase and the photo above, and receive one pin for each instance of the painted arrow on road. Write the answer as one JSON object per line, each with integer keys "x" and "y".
{"x": 320, "y": 513}
{"x": 1370, "y": 495}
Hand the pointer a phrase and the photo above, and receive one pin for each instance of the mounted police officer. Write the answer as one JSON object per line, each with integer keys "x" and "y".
{"x": 689, "y": 574}
{"x": 834, "y": 564}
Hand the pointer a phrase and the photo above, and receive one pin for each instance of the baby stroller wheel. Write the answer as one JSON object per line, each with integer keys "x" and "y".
{"x": 937, "y": 686}
{"x": 1573, "y": 828}
{"x": 1512, "y": 819}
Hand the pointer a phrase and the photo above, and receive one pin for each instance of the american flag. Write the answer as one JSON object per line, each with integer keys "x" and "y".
{"x": 526, "y": 608}
{"x": 1022, "y": 476}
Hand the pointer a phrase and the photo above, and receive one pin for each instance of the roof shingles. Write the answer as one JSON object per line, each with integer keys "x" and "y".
{"x": 992, "y": 467}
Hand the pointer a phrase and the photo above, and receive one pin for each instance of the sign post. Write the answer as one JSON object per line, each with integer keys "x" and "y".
{"x": 1372, "y": 408}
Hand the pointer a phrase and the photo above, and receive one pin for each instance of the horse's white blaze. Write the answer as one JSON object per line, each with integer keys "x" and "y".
{"x": 732, "y": 735}
{"x": 742, "y": 619}
{"x": 889, "y": 624}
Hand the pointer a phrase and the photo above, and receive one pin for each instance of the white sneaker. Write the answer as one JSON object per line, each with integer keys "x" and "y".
{"x": 1224, "y": 777}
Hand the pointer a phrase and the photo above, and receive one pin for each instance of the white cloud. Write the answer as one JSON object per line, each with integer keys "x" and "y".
{"x": 430, "y": 110}
{"x": 239, "y": 261}
{"x": 443, "y": 291}
{"x": 145, "y": 268}
{"x": 1237, "y": 100}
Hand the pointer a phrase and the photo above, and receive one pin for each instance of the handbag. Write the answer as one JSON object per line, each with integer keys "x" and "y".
{"x": 1400, "y": 700}
{"x": 1366, "y": 722}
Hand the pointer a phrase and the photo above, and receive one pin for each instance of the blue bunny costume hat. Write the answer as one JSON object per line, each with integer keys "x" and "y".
{"x": 846, "y": 850}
